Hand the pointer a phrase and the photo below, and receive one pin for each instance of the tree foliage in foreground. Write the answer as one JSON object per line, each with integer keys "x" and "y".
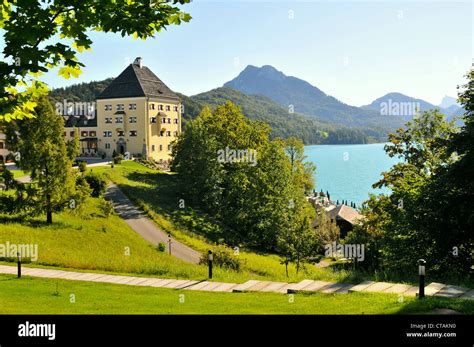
{"x": 43, "y": 153}
{"x": 31, "y": 45}
{"x": 430, "y": 212}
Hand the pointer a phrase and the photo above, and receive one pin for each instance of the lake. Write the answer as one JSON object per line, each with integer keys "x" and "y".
{"x": 347, "y": 172}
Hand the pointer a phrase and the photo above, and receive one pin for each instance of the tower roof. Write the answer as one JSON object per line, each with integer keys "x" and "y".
{"x": 137, "y": 81}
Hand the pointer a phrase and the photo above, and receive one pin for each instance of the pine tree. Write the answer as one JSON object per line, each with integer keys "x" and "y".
{"x": 44, "y": 155}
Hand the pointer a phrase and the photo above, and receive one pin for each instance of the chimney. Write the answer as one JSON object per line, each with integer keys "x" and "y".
{"x": 138, "y": 62}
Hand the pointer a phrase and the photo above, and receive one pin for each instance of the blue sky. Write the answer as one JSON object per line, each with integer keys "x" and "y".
{"x": 354, "y": 50}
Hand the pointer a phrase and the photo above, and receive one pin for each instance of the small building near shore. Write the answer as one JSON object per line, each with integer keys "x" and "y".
{"x": 344, "y": 216}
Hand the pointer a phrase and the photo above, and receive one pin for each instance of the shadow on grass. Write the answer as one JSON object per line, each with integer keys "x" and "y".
{"x": 428, "y": 304}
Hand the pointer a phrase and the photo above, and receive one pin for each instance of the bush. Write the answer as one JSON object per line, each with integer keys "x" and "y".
{"x": 161, "y": 247}
{"x": 97, "y": 182}
{"x": 82, "y": 166}
{"x": 118, "y": 159}
{"x": 106, "y": 207}
{"x": 7, "y": 178}
{"x": 223, "y": 257}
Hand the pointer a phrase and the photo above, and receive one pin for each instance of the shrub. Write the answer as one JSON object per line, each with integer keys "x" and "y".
{"x": 106, "y": 207}
{"x": 97, "y": 182}
{"x": 82, "y": 166}
{"x": 118, "y": 159}
{"x": 7, "y": 178}
{"x": 223, "y": 257}
{"x": 161, "y": 247}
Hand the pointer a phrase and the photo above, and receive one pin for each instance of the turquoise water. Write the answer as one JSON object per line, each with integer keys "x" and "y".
{"x": 348, "y": 171}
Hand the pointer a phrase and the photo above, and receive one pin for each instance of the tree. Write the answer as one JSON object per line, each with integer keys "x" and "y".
{"x": 251, "y": 199}
{"x": 30, "y": 48}
{"x": 297, "y": 243}
{"x": 402, "y": 226}
{"x": 72, "y": 146}
{"x": 43, "y": 154}
{"x": 326, "y": 230}
{"x": 7, "y": 177}
{"x": 303, "y": 172}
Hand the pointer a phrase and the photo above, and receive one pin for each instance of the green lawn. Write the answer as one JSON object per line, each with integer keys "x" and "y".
{"x": 155, "y": 193}
{"x": 93, "y": 242}
{"x": 18, "y": 173}
{"x": 48, "y": 296}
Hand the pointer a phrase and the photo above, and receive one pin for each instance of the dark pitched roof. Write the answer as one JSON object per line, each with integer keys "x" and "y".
{"x": 79, "y": 121}
{"x": 136, "y": 81}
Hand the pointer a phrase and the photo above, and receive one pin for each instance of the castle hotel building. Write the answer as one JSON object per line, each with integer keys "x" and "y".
{"x": 137, "y": 114}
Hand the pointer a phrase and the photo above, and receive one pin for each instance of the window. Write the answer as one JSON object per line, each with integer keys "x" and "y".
{"x": 168, "y": 108}
{"x": 176, "y": 121}
{"x": 133, "y": 133}
{"x": 92, "y": 133}
{"x": 175, "y": 108}
{"x": 132, "y": 119}
{"x": 120, "y": 133}
{"x": 107, "y": 133}
{"x": 168, "y": 133}
{"x": 84, "y": 133}
{"x": 120, "y": 107}
{"x": 64, "y": 134}
{"x": 132, "y": 106}
{"x": 118, "y": 120}
{"x": 169, "y": 120}
{"x": 162, "y": 133}
{"x": 107, "y": 146}
{"x": 169, "y": 148}
{"x": 108, "y": 107}
{"x": 1, "y": 145}
{"x": 175, "y": 133}
{"x": 163, "y": 120}
{"x": 161, "y": 148}
{"x": 152, "y": 148}
{"x": 72, "y": 133}
{"x": 153, "y": 120}
{"x": 152, "y": 106}
{"x": 108, "y": 120}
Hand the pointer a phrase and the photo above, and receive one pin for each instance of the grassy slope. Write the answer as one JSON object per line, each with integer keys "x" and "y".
{"x": 93, "y": 242}
{"x": 155, "y": 192}
{"x": 47, "y": 296}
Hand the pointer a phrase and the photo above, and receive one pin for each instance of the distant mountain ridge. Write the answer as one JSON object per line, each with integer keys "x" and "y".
{"x": 283, "y": 123}
{"x": 307, "y": 99}
{"x": 405, "y": 104}
{"x": 291, "y": 106}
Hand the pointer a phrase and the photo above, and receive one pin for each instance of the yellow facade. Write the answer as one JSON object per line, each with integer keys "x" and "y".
{"x": 142, "y": 126}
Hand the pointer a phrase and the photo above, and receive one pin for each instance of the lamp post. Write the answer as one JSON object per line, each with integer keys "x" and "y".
{"x": 421, "y": 272}
{"x": 210, "y": 258}
{"x": 169, "y": 243}
{"x": 19, "y": 264}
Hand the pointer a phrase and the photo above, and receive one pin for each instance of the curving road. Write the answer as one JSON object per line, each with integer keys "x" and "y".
{"x": 145, "y": 227}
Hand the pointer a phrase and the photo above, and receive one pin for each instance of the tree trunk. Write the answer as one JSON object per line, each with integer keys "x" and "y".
{"x": 286, "y": 268}
{"x": 49, "y": 212}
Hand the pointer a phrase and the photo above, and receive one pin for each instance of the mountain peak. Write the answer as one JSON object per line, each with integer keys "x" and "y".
{"x": 448, "y": 101}
{"x": 266, "y": 71}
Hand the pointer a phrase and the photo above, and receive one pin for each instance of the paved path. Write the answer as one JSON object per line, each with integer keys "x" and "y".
{"x": 145, "y": 227}
{"x": 433, "y": 289}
